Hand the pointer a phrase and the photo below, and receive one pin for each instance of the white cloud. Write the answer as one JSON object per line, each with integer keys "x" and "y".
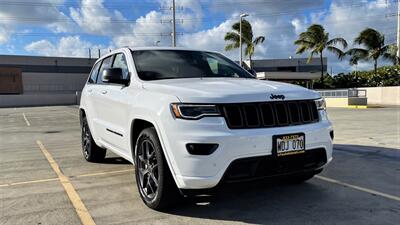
{"x": 70, "y": 46}
{"x": 258, "y": 8}
{"x": 5, "y": 33}
{"x": 145, "y": 32}
{"x": 38, "y": 13}
{"x": 211, "y": 39}
{"x": 94, "y": 18}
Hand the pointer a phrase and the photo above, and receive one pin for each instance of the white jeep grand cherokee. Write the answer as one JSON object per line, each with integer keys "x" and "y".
{"x": 190, "y": 120}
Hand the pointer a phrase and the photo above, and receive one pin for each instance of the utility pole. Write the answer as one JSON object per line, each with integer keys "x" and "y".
{"x": 90, "y": 53}
{"x": 173, "y": 25}
{"x": 398, "y": 32}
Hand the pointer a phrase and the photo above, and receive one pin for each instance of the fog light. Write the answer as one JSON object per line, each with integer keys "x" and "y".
{"x": 201, "y": 149}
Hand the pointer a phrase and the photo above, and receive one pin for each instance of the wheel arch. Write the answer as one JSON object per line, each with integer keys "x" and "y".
{"x": 82, "y": 114}
{"x": 137, "y": 125}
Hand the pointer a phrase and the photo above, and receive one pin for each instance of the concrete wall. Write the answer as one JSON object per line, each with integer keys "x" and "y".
{"x": 383, "y": 95}
{"x": 336, "y": 102}
{"x": 42, "y": 99}
{"x": 57, "y": 82}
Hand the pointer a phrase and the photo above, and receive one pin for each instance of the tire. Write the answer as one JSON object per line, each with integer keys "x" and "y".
{"x": 154, "y": 180}
{"x": 91, "y": 152}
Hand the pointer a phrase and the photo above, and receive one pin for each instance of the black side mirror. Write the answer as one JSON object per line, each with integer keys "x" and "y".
{"x": 114, "y": 76}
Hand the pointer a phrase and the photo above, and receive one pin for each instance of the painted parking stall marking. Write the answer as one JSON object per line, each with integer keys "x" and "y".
{"x": 26, "y": 120}
{"x": 367, "y": 190}
{"x": 76, "y": 201}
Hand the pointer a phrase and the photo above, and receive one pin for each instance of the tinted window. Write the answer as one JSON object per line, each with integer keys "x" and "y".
{"x": 93, "y": 74}
{"x": 170, "y": 64}
{"x": 106, "y": 64}
{"x": 120, "y": 62}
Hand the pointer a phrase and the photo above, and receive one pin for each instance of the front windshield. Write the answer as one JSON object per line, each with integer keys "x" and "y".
{"x": 175, "y": 64}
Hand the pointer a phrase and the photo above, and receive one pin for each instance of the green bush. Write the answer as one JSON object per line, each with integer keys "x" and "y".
{"x": 386, "y": 76}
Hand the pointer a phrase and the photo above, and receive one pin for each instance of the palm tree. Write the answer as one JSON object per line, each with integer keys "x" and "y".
{"x": 247, "y": 39}
{"x": 316, "y": 40}
{"x": 374, "y": 48}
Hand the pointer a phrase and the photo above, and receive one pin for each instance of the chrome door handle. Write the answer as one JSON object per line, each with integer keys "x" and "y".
{"x": 104, "y": 92}
{"x": 90, "y": 90}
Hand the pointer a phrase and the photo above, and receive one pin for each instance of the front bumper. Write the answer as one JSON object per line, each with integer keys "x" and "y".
{"x": 206, "y": 171}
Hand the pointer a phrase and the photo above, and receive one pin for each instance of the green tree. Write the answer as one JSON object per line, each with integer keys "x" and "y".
{"x": 248, "y": 39}
{"x": 316, "y": 40}
{"x": 374, "y": 47}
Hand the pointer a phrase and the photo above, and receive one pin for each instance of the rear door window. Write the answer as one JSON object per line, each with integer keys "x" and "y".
{"x": 106, "y": 64}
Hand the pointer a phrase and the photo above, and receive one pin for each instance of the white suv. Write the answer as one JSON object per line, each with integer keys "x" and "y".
{"x": 190, "y": 120}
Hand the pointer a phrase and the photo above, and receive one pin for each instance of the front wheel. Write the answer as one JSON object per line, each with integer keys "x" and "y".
{"x": 90, "y": 150}
{"x": 154, "y": 180}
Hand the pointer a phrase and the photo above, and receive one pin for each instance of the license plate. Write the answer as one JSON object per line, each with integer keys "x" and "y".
{"x": 289, "y": 144}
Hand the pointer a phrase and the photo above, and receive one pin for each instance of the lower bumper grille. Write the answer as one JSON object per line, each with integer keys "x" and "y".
{"x": 268, "y": 166}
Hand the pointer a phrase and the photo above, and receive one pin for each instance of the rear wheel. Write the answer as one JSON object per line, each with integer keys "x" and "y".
{"x": 91, "y": 152}
{"x": 154, "y": 180}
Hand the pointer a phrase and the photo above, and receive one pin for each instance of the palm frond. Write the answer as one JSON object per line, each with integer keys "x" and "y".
{"x": 232, "y": 36}
{"x": 247, "y": 30}
{"x": 311, "y": 56}
{"x": 335, "y": 41}
{"x": 357, "y": 54}
{"x": 259, "y": 40}
{"x": 231, "y": 46}
{"x": 390, "y": 53}
{"x": 249, "y": 50}
{"x": 301, "y": 49}
{"x": 339, "y": 53}
{"x": 370, "y": 38}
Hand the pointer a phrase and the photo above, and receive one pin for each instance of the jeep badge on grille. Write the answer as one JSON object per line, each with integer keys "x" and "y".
{"x": 277, "y": 97}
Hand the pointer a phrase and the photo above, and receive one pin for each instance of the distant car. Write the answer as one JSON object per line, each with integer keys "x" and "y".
{"x": 189, "y": 120}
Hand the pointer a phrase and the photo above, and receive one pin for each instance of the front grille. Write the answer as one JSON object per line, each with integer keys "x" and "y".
{"x": 270, "y": 114}
{"x": 268, "y": 166}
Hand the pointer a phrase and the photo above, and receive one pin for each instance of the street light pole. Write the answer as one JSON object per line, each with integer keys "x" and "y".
{"x": 398, "y": 32}
{"x": 173, "y": 25}
{"x": 240, "y": 37}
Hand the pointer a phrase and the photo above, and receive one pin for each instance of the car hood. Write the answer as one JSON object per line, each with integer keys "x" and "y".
{"x": 228, "y": 90}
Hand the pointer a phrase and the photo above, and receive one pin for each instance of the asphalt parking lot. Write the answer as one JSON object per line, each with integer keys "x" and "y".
{"x": 45, "y": 180}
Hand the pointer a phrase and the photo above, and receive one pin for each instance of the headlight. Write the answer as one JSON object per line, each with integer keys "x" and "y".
{"x": 193, "y": 111}
{"x": 320, "y": 103}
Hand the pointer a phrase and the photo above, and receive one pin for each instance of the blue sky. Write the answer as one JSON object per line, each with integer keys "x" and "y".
{"x": 71, "y": 27}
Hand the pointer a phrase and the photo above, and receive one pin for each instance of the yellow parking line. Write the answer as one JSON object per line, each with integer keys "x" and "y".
{"x": 26, "y": 120}
{"x": 29, "y": 182}
{"x": 357, "y": 107}
{"x": 77, "y": 176}
{"x": 80, "y": 208}
{"x": 367, "y": 190}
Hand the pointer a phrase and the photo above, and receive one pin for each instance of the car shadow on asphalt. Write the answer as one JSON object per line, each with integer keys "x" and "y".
{"x": 276, "y": 202}
{"x": 260, "y": 202}
{"x": 115, "y": 160}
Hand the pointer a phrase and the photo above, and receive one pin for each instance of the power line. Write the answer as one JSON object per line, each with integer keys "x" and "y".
{"x": 204, "y": 19}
